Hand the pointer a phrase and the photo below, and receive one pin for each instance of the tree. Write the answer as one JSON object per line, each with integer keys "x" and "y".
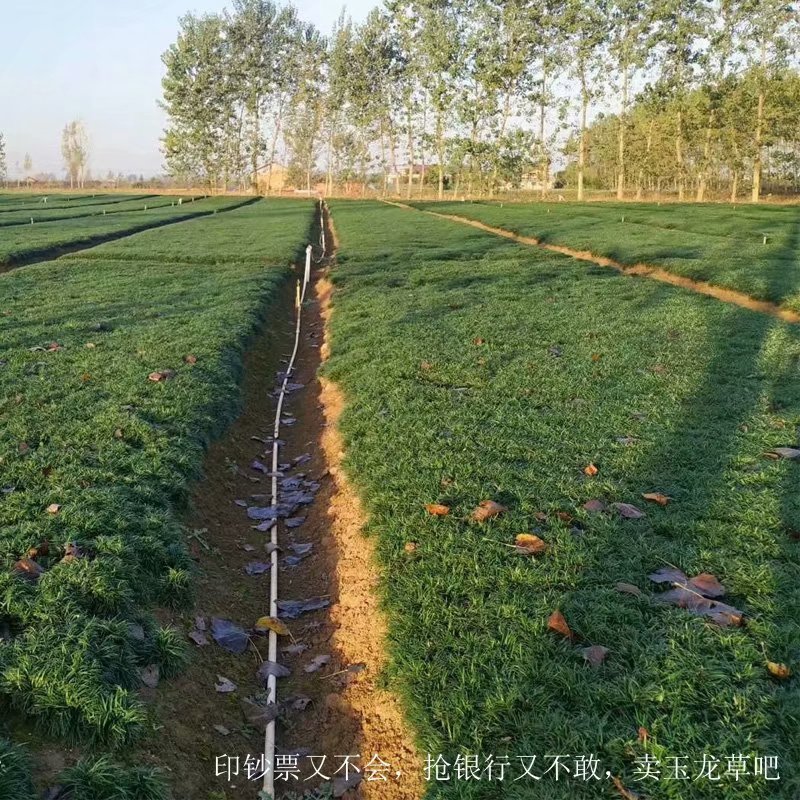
{"x": 3, "y": 163}
{"x": 75, "y": 152}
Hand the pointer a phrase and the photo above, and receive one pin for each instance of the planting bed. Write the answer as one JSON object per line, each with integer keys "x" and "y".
{"x": 723, "y": 245}
{"x": 25, "y": 243}
{"x": 114, "y": 375}
{"x": 475, "y": 369}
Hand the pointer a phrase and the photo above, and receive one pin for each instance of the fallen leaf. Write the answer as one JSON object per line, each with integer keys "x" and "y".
{"x": 627, "y": 511}
{"x": 316, "y": 663}
{"x": 222, "y": 730}
{"x": 627, "y": 794}
{"x": 478, "y": 341}
{"x": 784, "y": 452}
{"x": 595, "y": 506}
{"x": 259, "y": 714}
{"x": 628, "y": 588}
{"x": 343, "y": 785}
{"x": 780, "y": 671}
{"x": 256, "y": 568}
{"x": 720, "y": 613}
{"x": 529, "y": 544}
{"x": 199, "y": 638}
{"x": 42, "y": 549}
{"x": 565, "y": 517}
{"x": 295, "y": 649}
{"x": 668, "y": 575}
{"x": 161, "y": 375}
{"x": 224, "y": 686}
{"x": 595, "y": 655}
{"x": 590, "y": 470}
{"x": 272, "y": 668}
{"x": 265, "y": 624}
{"x": 657, "y": 497}
{"x": 53, "y": 508}
{"x": 643, "y": 735}
{"x": 627, "y": 441}
{"x": 488, "y": 509}
{"x": 292, "y": 609}
{"x": 426, "y": 365}
{"x": 229, "y": 635}
{"x": 300, "y": 703}
{"x": 596, "y": 356}
{"x": 437, "y": 509}
{"x": 558, "y": 624}
{"x": 150, "y": 676}
{"x": 410, "y": 547}
{"x": 707, "y": 584}
{"x": 29, "y": 568}
{"x": 190, "y": 359}
{"x": 86, "y": 377}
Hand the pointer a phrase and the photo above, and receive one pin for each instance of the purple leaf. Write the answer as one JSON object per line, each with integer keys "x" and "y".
{"x": 294, "y": 522}
{"x": 225, "y": 686}
{"x": 256, "y": 568}
{"x": 292, "y": 609}
{"x": 316, "y": 663}
{"x": 229, "y": 635}
{"x": 668, "y": 575}
{"x": 272, "y": 668}
{"x": 262, "y": 512}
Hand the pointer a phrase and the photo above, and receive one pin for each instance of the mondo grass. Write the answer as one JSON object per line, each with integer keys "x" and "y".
{"x": 474, "y": 368}
{"x": 24, "y": 243}
{"x": 49, "y": 213}
{"x": 15, "y": 781}
{"x": 96, "y": 460}
{"x": 719, "y": 244}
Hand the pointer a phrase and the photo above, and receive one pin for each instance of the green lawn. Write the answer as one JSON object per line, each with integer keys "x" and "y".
{"x": 721, "y": 244}
{"x": 90, "y": 208}
{"x": 83, "y": 428}
{"x": 475, "y": 369}
{"x": 21, "y": 243}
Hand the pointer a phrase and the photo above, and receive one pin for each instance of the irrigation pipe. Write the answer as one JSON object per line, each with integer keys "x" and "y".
{"x": 272, "y": 682}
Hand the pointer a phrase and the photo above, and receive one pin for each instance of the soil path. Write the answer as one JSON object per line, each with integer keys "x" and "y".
{"x": 641, "y": 270}
{"x": 339, "y": 709}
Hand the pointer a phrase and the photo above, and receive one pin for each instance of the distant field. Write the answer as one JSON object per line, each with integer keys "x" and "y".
{"x": 89, "y": 208}
{"x": 84, "y": 428}
{"x": 20, "y": 243}
{"x": 477, "y": 369}
{"x": 720, "y": 244}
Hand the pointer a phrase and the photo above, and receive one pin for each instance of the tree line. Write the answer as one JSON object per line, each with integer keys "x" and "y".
{"x": 474, "y": 97}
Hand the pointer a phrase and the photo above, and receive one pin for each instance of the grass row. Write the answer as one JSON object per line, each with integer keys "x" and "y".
{"x": 723, "y": 245}
{"x": 22, "y": 243}
{"x": 50, "y": 213}
{"x": 85, "y": 433}
{"x": 16, "y": 200}
{"x": 475, "y": 369}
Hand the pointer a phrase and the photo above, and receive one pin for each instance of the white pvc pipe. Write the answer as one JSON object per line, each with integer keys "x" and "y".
{"x": 272, "y": 683}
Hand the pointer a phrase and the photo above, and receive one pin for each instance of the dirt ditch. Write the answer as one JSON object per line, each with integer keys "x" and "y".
{"x": 332, "y": 703}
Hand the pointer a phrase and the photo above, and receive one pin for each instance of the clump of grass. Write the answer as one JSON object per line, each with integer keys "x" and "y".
{"x": 15, "y": 782}
{"x": 102, "y": 779}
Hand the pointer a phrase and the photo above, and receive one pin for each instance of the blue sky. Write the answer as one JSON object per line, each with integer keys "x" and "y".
{"x": 100, "y": 61}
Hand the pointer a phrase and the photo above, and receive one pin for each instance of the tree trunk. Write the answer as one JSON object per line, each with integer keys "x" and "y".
{"x": 410, "y": 155}
{"x": 702, "y": 182}
{"x": 734, "y": 186}
{"x": 440, "y": 153}
{"x": 758, "y": 143}
{"x": 621, "y": 136}
{"x": 582, "y": 142}
{"x": 679, "y": 158}
{"x": 545, "y": 168}
{"x": 255, "y": 144}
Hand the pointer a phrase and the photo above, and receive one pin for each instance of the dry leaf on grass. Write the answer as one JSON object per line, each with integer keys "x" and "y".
{"x": 29, "y": 568}
{"x": 707, "y": 584}
{"x": 224, "y": 686}
{"x": 161, "y": 375}
{"x": 53, "y": 508}
{"x": 628, "y": 588}
{"x": 590, "y": 470}
{"x": 783, "y": 452}
{"x": 189, "y": 358}
{"x": 410, "y": 547}
{"x": 595, "y": 506}
{"x": 437, "y": 509}
{"x": 488, "y": 509}
{"x": 478, "y": 341}
{"x": 595, "y": 655}
{"x": 558, "y": 624}
{"x": 643, "y": 734}
{"x": 657, "y": 497}
{"x": 668, "y": 575}
{"x": 780, "y": 671}
{"x": 529, "y": 544}
{"x": 627, "y": 511}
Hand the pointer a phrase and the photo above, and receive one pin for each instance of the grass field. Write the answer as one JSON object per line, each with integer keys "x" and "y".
{"x": 91, "y": 208}
{"x": 23, "y": 243}
{"x": 96, "y": 460}
{"x": 477, "y": 369}
{"x": 720, "y": 244}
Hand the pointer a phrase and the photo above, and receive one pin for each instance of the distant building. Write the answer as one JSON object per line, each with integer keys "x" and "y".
{"x": 274, "y": 180}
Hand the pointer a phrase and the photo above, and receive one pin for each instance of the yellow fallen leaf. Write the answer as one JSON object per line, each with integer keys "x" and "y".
{"x": 780, "y": 671}
{"x": 488, "y": 509}
{"x": 265, "y": 624}
{"x": 530, "y": 544}
{"x": 437, "y": 509}
{"x": 657, "y": 497}
{"x": 590, "y": 470}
